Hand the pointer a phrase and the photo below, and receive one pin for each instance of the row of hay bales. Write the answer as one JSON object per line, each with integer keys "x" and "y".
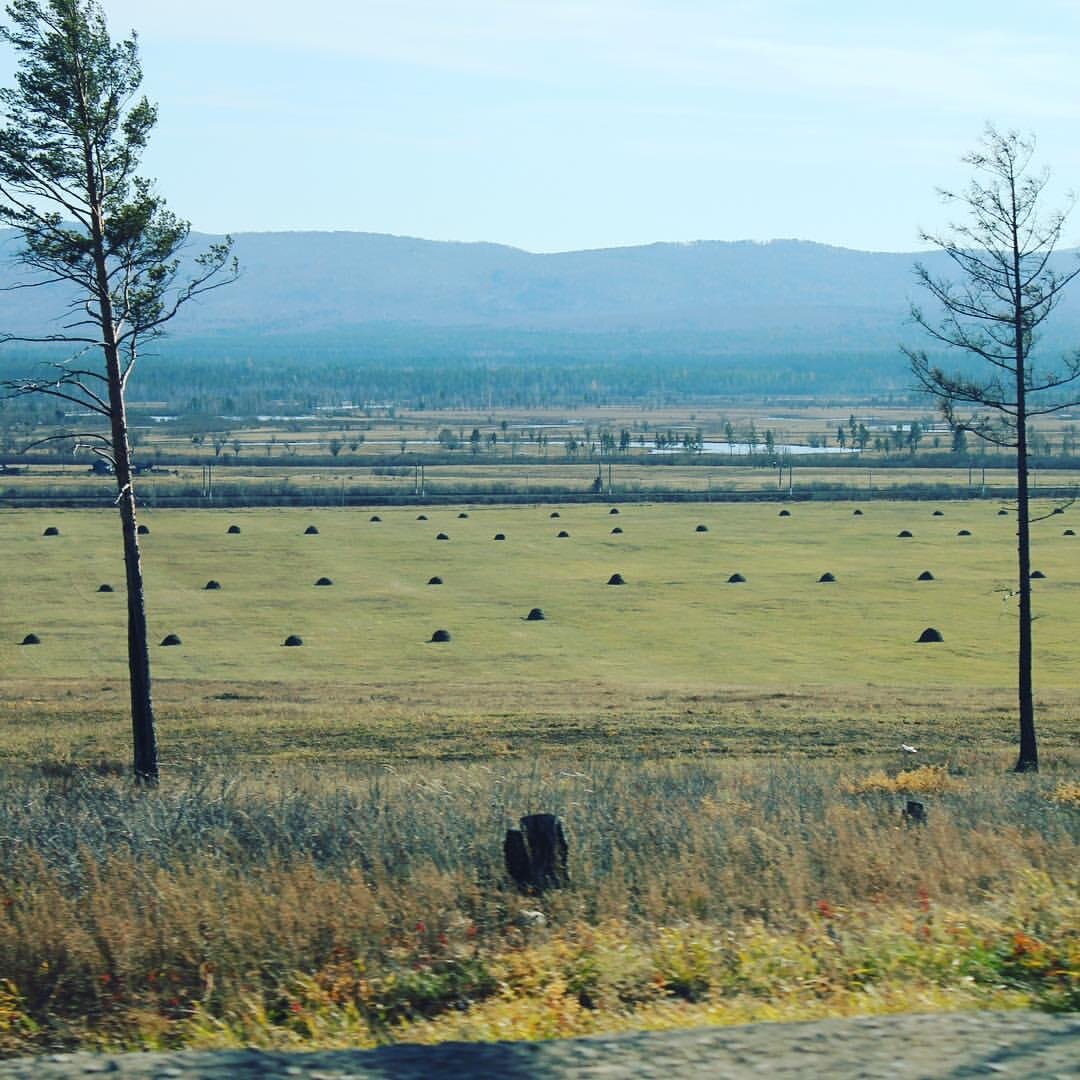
{"x": 535, "y": 614}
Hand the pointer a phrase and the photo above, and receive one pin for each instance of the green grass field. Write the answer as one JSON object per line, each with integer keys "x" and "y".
{"x": 322, "y": 862}
{"x": 675, "y": 659}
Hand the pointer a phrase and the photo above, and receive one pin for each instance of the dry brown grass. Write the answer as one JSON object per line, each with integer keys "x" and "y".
{"x": 371, "y": 904}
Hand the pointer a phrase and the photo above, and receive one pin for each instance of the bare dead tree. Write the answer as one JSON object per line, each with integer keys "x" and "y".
{"x": 1006, "y": 286}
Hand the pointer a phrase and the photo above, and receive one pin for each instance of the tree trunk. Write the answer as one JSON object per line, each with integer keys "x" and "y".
{"x": 144, "y": 734}
{"x": 143, "y": 731}
{"x": 1028, "y": 760}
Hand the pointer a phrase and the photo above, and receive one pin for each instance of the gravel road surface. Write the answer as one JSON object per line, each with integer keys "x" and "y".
{"x": 932, "y": 1047}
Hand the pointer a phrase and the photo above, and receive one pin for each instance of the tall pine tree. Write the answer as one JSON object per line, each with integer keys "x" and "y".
{"x": 74, "y": 127}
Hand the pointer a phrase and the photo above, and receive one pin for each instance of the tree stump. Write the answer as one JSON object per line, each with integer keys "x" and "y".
{"x": 536, "y": 854}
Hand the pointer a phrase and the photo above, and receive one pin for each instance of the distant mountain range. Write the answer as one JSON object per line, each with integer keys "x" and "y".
{"x": 744, "y": 299}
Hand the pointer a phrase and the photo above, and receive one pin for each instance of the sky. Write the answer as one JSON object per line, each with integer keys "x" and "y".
{"x": 558, "y": 125}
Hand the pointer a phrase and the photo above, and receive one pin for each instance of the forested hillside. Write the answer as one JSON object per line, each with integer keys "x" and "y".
{"x": 388, "y": 317}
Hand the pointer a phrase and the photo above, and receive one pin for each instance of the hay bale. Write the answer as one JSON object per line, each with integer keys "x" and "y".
{"x": 616, "y": 531}
{"x": 30, "y": 639}
{"x": 1037, "y": 574}
{"x": 563, "y": 535}
{"x": 442, "y": 536}
{"x": 435, "y": 581}
{"x": 784, "y": 513}
{"x": 964, "y": 532}
{"x": 929, "y": 634}
{"x": 105, "y": 588}
{"x": 324, "y": 581}
{"x": 736, "y": 579}
{"x": 143, "y": 530}
{"x": 904, "y": 534}
{"x": 463, "y": 514}
{"x": 171, "y": 639}
{"x": 293, "y": 640}
{"x": 441, "y": 635}
{"x": 311, "y": 530}
{"x": 1068, "y": 532}
{"x": 613, "y": 510}
{"x": 925, "y": 576}
{"x": 233, "y": 530}
{"x": 535, "y": 615}
{"x": 702, "y": 528}
{"x": 856, "y": 513}
{"x": 421, "y": 517}
{"x": 554, "y": 514}
{"x": 52, "y": 530}
{"x": 826, "y": 577}
{"x": 374, "y": 517}
{"x": 616, "y": 579}
{"x": 212, "y": 585}
{"x": 938, "y": 513}
{"x": 500, "y": 536}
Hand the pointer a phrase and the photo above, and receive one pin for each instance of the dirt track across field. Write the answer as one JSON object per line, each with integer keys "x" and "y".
{"x": 931, "y": 1047}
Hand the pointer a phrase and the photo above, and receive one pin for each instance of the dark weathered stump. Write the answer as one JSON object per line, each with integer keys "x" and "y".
{"x": 915, "y": 812}
{"x": 536, "y": 854}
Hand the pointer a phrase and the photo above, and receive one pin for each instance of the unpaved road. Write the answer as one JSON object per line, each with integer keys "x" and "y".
{"x": 932, "y": 1047}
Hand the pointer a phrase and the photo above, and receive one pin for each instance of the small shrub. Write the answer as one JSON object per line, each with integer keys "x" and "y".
{"x": 925, "y": 780}
{"x": 1067, "y": 793}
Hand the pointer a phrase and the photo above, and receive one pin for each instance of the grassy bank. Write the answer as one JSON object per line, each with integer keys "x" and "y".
{"x": 371, "y": 905}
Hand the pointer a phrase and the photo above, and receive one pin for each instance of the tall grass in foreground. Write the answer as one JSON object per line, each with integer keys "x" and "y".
{"x": 373, "y": 906}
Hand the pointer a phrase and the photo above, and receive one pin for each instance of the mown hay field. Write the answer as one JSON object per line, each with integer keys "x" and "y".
{"x": 322, "y": 862}
{"x": 675, "y": 659}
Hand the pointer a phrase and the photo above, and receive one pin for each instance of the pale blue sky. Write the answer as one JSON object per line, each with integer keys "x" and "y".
{"x": 560, "y": 124}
